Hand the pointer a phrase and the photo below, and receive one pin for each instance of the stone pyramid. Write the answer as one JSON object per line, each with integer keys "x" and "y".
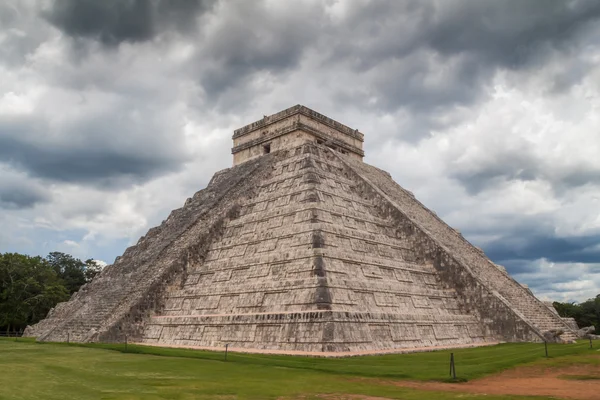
{"x": 303, "y": 248}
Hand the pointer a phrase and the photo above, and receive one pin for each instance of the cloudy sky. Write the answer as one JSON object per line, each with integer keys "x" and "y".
{"x": 112, "y": 113}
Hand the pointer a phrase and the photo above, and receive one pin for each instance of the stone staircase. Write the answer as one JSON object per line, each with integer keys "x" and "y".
{"x": 79, "y": 321}
{"x": 520, "y": 299}
{"x": 123, "y": 294}
{"x": 534, "y": 310}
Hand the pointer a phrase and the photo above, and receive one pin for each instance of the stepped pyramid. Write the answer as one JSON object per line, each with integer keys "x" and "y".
{"x": 303, "y": 248}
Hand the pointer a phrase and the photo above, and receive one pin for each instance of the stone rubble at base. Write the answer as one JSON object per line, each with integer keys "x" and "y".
{"x": 302, "y": 247}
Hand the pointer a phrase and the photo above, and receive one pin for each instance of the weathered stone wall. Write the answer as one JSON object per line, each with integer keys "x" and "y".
{"x": 332, "y": 132}
{"x": 287, "y": 137}
{"x": 571, "y": 323}
{"x": 302, "y": 250}
{"x": 292, "y": 111}
{"x": 116, "y": 302}
{"x": 508, "y": 310}
{"x": 290, "y": 128}
{"x": 311, "y": 265}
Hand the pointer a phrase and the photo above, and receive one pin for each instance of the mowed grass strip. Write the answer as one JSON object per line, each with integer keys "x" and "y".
{"x": 471, "y": 363}
{"x": 29, "y": 370}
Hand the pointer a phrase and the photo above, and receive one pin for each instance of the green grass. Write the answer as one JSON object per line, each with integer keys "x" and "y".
{"x": 29, "y": 370}
{"x": 471, "y": 363}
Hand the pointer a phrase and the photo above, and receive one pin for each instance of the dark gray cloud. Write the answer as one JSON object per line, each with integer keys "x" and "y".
{"x": 246, "y": 39}
{"x": 498, "y": 169}
{"x": 115, "y": 21}
{"x": 514, "y": 162}
{"x": 562, "y": 281}
{"x": 85, "y": 165}
{"x": 522, "y": 164}
{"x": 535, "y": 245}
{"x": 251, "y": 38}
{"x": 422, "y": 55}
{"x": 21, "y": 197}
{"x": 109, "y": 149}
{"x": 427, "y": 54}
{"x": 19, "y": 192}
{"x": 510, "y": 33}
{"x": 518, "y": 240}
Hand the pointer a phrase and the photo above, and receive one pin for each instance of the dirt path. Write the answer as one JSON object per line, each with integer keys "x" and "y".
{"x": 557, "y": 382}
{"x": 526, "y": 381}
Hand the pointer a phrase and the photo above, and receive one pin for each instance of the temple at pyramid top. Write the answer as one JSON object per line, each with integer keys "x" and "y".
{"x": 290, "y": 128}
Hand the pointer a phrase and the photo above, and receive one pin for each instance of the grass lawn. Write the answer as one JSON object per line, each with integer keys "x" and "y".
{"x": 30, "y": 370}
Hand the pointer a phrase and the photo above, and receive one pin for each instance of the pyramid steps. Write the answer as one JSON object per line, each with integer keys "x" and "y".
{"x": 305, "y": 249}
{"x": 308, "y": 253}
{"x": 118, "y": 299}
{"x": 535, "y": 313}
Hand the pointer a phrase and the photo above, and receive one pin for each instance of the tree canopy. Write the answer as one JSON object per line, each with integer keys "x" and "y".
{"x": 586, "y": 313}
{"x": 31, "y": 286}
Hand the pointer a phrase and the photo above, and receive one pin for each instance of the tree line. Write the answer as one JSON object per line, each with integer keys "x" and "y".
{"x": 31, "y": 286}
{"x": 586, "y": 313}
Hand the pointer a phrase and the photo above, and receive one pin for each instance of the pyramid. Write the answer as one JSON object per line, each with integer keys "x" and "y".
{"x": 303, "y": 248}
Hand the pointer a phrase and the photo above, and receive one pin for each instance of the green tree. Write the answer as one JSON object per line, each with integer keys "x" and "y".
{"x": 92, "y": 268}
{"x": 586, "y": 313}
{"x": 70, "y": 269}
{"x": 29, "y": 288}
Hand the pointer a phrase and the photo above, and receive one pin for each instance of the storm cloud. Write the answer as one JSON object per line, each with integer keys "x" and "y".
{"x": 18, "y": 192}
{"x": 421, "y": 55}
{"x": 115, "y": 21}
{"x": 92, "y": 150}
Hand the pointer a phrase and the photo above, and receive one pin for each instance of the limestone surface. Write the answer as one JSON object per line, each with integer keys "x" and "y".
{"x": 302, "y": 247}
